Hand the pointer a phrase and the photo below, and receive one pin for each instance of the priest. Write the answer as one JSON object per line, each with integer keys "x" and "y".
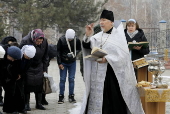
{"x": 110, "y": 83}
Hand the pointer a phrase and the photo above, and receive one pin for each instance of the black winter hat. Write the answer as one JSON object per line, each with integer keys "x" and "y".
{"x": 7, "y": 39}
{"x": 107, "y": 15}
{"x": 14, "y": 52}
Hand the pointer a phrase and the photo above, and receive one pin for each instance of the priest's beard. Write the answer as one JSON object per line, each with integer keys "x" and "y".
{"x": 103, "y": 29}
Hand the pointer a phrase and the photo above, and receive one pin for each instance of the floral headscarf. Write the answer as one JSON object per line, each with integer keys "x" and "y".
{"x": 36, "y": 34}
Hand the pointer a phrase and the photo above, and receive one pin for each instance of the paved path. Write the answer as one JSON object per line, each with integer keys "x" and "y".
{"x": 53, "y": 107}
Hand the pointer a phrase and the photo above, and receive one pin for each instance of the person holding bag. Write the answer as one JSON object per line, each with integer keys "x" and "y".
{"x": 67, "y": 48}
{"x": 34, "y": 74}
{"x": 49, "y": 85}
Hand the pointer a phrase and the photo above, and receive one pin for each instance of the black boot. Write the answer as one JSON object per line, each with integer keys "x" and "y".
{"x": 61, "y": 99}
{"x": 44, "y": 102}
{"x": 23, "y": 112}
{"x": 71, "y": 98}
{"x": 27, "y": 102}
{"x": 38, "y": 97}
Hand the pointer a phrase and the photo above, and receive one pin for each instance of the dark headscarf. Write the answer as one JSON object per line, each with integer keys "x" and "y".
{"x": 7, "y": 39}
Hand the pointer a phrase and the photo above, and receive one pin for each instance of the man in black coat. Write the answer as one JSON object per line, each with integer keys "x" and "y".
{"x": 67, "y": 48}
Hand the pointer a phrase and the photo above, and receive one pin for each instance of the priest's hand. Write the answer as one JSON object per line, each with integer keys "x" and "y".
{"x": 137, "y": 47}
{"x": 102, "y": 60}
{"x": 89, "y": 29}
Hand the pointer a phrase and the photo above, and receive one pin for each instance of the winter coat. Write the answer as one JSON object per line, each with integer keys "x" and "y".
{"x": 52, "y": 51}
{"x": 24, "y": 66}
{"x": 63, "y": 50}
{"x": 9, "y": 72}
{"x": 14, "y": 87}
{"x": 139, "y": 37}
{"x": 39, "y": 63}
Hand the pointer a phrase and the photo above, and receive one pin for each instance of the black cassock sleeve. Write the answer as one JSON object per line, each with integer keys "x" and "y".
{"x": 86, "y": 45}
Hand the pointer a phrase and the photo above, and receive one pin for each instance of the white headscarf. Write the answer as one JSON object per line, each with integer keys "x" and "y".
{"x": 28, "y": 50}
{"x": 133, "y": 20}
{"x": 2, "y": 52}
{"x": 70, "y": 34}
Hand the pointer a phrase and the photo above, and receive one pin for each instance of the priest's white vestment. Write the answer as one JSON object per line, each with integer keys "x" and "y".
{"x": 118, "y": 57}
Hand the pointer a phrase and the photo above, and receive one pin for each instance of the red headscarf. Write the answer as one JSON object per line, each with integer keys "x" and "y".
{"x": 37, "y": 33}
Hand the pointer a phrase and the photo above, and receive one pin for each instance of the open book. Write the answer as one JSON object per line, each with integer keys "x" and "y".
{"x": 143, "y": 44}
{"x": 96, "y": 53}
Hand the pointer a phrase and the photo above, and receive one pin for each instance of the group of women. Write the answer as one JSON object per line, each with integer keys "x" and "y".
{"x": 13, "y": 64}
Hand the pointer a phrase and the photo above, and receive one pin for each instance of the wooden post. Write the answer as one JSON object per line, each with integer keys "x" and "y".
{"x": 150, "y": 77}
{"x": 154, "y": 107}
{"x": 142, "y": 74}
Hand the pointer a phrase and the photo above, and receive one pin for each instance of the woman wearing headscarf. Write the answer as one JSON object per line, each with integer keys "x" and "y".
{"x": 9, "y": 67}
{"x": 28, "y": 52}
{"x": 14, "y": 101}
{"x": 134, "y": 34}
{"x": 34, "y": 74}
{"x": 7, "y": 42}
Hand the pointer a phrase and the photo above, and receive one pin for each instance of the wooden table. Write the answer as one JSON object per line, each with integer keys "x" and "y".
{"x": 154, "y": 107}
{"x": 153, "y": 100}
